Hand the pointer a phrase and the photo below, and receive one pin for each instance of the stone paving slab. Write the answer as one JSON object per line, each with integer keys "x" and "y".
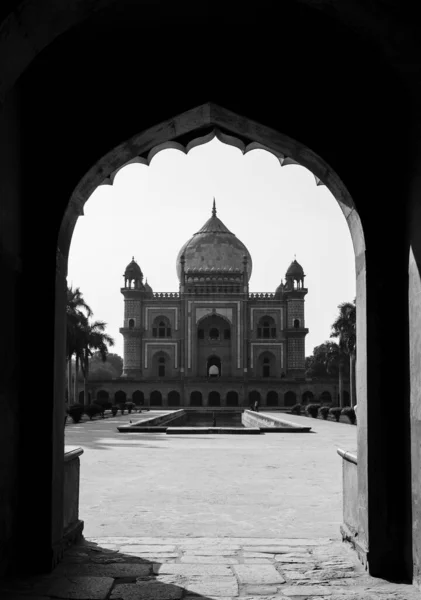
{"x": 323, "y": 572}
{"x": 76, "y": 588}
{"x": 208, "y": 560}
{"x": 114, "y": 570}
{"x": 146, "y": 591}
{"x": 258, "y": 574}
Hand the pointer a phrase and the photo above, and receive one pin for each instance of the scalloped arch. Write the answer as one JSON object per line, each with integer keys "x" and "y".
{"x": 196, "y": 127}
{"x": 200, "y": 140}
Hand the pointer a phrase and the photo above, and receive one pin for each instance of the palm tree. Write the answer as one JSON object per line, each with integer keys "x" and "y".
{"x": 95, "y": 339}
{"x": 344, "y": 328}
{"x": 78, "y": 313}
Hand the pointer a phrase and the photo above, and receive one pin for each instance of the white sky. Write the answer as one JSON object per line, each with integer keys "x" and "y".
{"x": 149, "y": 212}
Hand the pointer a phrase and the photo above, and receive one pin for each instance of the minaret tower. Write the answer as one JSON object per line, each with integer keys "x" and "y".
{"x": 295, "y": 330}
{"x": 133, "y": 292}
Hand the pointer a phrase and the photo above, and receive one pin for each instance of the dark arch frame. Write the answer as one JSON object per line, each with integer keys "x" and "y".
{"x": 174, "y": 398}
{"x": 196, "y": 398}
{"x": 290, "y": 398}
{"x": 138, "y": 398}
{"x": 214, "y": 398}
{"x": 232, "y": 398}
{"x": 272, "y": 398}
{"x": 155, "y": 398}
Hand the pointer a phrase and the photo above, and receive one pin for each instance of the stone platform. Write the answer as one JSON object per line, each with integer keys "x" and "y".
{"x": 128, "y": 568}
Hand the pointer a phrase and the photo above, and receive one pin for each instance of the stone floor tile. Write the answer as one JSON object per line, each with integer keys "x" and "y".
{"x": 211, "y": 551}
{"x": 75, "y": 588}
{"x": 257, "y": 574}
{"x": 152, "y": 555}
{"x": 277, "y": 549}
{"x": 209, "y": 560}
{"x": 146, "y": 591}
{"x": 193, "y": 571}
{"x": 214, "y": 587}
{"x": 112, "y": 570}
{"x": 147, "y": 548}
{"x": 309, "y": 592}
{"x": 258, "y": 590}
{"x": 304, "y": 542}
{"x": 297, "y": 576}
{"x": 287, "y": 558}
{"x": 329, "y": 574}
{"x": 258, "y": 555}
{"x": 257, "y": 561}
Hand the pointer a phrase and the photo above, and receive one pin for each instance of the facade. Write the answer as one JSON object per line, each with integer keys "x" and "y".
{"x": 214, "y": 343}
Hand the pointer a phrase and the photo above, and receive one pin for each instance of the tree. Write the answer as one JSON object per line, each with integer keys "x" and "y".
{"x": 77, "y": 313}
{"x": 95, "y": 338}
{"x": 344, "y": 329}
{"x": 324, "y": 362}
{"x": 112, "y": 369}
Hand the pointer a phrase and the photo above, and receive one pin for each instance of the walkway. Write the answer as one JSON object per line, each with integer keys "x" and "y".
{"x": 209, "y": 517}
{"x": 273, "y": 485}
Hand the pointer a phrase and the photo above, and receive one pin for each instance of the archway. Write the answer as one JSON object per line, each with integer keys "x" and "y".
{"x": 103, "y": 395}
{"x": 155, "y": 398}
{"x": 213, "y": 367}
{"x": 272, "y": 398}
{"x": 232, "y": 398}
{"x": 325, "y": 397}
{"x": 254, "y": 396}
{"x": 196, "y": 399}
{"x": 174, "y": 398}
{"x": 138, "y": 398}
{"x": 352, "y": 19}
{"x": 290, "y": 398}
{"x": 120, "y": 397}
{"x": 307, "y": 397}
{"x": 82, "y": 397}
{"x": 214, "y": 399}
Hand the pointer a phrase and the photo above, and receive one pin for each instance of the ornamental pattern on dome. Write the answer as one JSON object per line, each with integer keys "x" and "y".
{"x": 214, "y": 249}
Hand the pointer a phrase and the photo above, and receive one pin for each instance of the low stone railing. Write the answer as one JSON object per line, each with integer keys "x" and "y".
{"x": 72, "y": 525}
{"x": 349, "y": 528}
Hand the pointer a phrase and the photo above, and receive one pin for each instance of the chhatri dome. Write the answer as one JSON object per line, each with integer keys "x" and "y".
{"x": 214, "y": 248}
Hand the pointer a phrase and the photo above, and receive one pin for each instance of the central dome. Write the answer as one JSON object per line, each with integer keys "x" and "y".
{"x": 214, "y": 248}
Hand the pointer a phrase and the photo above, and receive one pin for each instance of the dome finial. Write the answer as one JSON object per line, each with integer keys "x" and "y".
{"x": 214, "y": 208}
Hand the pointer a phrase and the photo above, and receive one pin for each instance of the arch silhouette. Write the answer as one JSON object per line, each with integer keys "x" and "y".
{"x": 232, "y": 398}
{"x": 155, "y": 398}
{"x": 120, "y": 397}
{"x": 138, "y": 398}
{"x": 174, "y": 398}
{"x": 214, "y": 399}
{"x": 272, "y": 398}
{"x": 196, "y": 399}
{"x": 290, "y": 398}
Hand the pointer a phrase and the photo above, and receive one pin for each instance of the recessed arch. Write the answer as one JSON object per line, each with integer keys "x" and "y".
{"x": 196, "y": 398}
{"x": 232, "y": 125}
{"x": 290, "y": 398}
{"x": 155, "y": 398}
{"x": 138, "y": 398}
{"x": 232, "y": 398}
{"x": 272, "y": 398}
{"x": 174, "y": 398}
{"x": 120, "y": 397}
{"x": 214, "y": 398}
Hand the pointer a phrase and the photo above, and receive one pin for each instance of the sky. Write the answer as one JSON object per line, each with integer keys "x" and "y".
{"x": 150, "y": 211}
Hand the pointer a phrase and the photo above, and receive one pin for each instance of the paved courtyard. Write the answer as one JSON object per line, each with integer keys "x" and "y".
{"x": 209, "y": 517}
{"x": 274, "y": 485}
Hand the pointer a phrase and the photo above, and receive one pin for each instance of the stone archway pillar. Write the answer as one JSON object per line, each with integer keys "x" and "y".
{"x": 384, "y": 483}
